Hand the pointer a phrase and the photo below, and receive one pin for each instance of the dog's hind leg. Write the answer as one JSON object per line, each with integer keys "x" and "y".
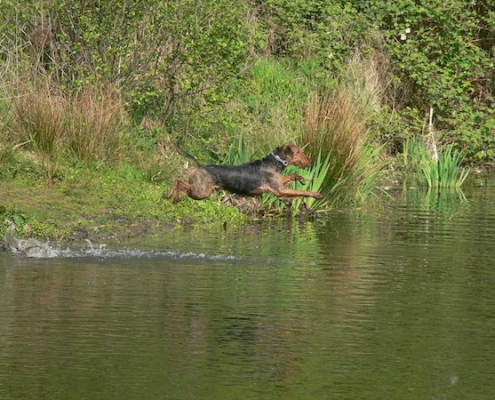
{"x": 200, "y": 186}
{"x": 178, "y": 188}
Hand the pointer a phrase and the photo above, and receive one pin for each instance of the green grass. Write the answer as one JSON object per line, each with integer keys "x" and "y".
{"x": 446, "y": 172}
{"x": 104, "y": 203}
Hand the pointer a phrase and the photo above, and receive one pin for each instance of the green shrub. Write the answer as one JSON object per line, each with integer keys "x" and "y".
{"x": 442, "y": 57}
{"x": 166, "y": 55}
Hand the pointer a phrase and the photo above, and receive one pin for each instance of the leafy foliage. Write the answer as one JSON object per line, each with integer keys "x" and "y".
{"x": 442, "y": 55}
{"x": 300, "y": 28}
{"x": 177, "y": 61}
{"x": 165, "y": 56}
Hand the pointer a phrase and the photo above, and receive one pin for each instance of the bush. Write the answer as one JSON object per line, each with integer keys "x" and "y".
{"x": 165, "y": 55}
{"x": 442, "y": 53}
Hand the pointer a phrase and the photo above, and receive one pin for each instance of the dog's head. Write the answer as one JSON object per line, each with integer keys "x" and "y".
{"x": 295, "y": 156}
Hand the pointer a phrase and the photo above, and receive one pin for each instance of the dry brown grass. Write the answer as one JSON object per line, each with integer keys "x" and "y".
{"x": 91, "y": 124}
{"x": 336, "y": 123}
{"x": 39, "y": 116}
{"x": 96, "y": 124}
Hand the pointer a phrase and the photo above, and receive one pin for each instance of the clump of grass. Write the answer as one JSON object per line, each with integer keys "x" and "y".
{"x": 91, "y": 124}
{"x": 39, "y": 116}
{"x": 336, "y": 123}
{"x": 97, "y": 124}
{"x": 443, "y": 171}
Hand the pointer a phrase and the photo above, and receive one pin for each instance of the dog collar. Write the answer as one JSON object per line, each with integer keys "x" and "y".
{"x": 276, "y": 157}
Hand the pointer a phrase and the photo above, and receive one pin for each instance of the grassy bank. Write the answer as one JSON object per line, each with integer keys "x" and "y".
{"x": 106, "y": 95}
{"x": 94, "y": 205}
{"x": 80, "y": 163}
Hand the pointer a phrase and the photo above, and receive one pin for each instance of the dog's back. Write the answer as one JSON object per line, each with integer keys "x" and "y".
{"x": 241, "y": 179}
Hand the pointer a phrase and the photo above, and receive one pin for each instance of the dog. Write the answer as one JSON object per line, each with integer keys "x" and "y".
{"x": 250, "y": 179}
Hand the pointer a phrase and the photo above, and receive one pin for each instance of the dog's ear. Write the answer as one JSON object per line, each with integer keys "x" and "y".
{"x": 290, "y": 150}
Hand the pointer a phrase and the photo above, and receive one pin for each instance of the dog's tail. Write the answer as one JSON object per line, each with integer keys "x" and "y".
{"x": 185, "y": 153}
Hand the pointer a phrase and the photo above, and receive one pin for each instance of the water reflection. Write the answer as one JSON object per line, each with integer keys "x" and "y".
{"x": 391, "y": 301}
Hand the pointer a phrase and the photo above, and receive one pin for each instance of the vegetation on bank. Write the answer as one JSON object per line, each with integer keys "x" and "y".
{"x": 93, "y": 95}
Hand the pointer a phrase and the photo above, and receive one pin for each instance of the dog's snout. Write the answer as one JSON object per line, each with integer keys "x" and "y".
{"x": 301, "y": 160}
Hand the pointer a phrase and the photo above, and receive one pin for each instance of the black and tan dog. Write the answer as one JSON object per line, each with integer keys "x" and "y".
{"x": 250, "y": 179}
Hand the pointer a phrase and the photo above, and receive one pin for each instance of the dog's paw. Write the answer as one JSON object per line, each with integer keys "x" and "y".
{"x": 300, "y": 179}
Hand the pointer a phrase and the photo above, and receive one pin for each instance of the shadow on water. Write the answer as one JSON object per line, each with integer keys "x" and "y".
{"x": 391, "y": 301}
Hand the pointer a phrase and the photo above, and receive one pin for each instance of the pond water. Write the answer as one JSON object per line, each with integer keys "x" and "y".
{"x": 393, "y": 301}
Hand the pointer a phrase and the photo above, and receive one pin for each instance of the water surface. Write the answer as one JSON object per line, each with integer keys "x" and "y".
{"x": 393, "y": 301}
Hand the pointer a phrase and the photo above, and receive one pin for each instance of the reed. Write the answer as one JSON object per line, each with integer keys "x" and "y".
{"x": 446, "y": 172}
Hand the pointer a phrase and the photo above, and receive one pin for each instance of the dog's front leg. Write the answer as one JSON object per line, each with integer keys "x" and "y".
{"x": 292, "y": 178}
{"x": 284, "y": 193}
{"x": 287, "y": 194}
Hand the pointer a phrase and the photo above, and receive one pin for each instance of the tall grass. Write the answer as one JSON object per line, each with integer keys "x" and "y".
{"x": 92, "y": 124}
{"x": 39, "y": 116}
{"x": 97, "y": 124}
{"x": 336, "y": 122}
{"x": 337, "y": 125}
{"x": 446, "y": 172}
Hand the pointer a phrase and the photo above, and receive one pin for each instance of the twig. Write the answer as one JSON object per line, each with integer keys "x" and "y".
{"x": 432, "y": 136}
